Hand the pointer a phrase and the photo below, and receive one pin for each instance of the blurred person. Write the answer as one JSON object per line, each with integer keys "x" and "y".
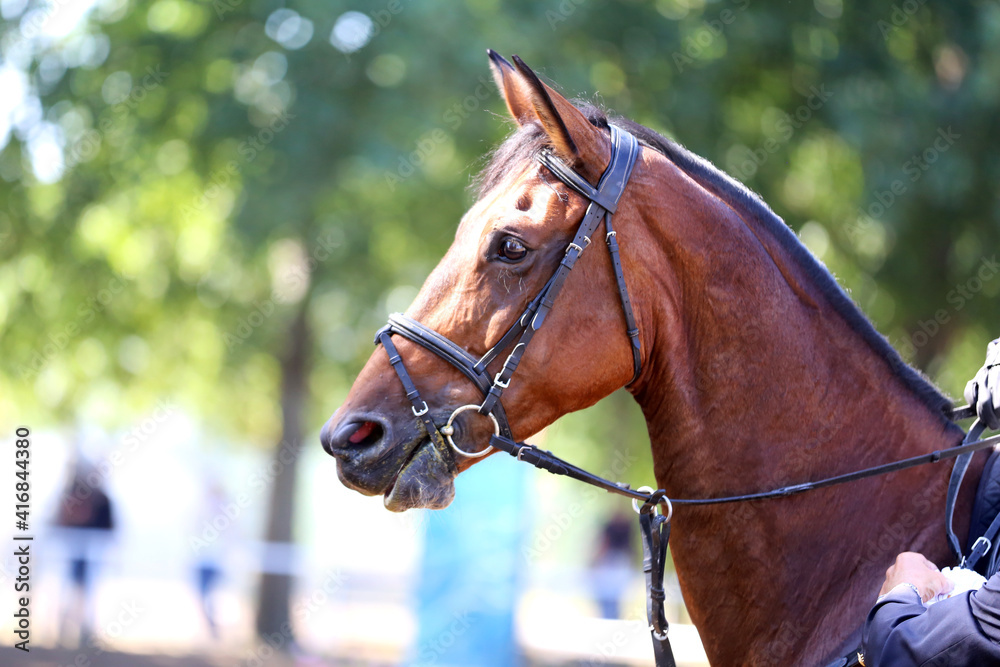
{"x": 211, "y": 546}
{"x": 87, "y": 514}
{"x": 612, "y": 569}
{"x": 963, "y": 629}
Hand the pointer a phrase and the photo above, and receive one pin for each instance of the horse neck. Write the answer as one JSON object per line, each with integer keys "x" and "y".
{"x": 756, "y": 381}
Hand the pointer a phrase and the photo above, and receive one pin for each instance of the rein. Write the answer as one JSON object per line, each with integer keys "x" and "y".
{"x": 655, "y": 526}
{"x": 549, "y": 462}
{"x": 654, "y": 523}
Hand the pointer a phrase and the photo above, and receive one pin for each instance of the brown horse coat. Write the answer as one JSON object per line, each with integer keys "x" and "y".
{"x": 758, "y": 371}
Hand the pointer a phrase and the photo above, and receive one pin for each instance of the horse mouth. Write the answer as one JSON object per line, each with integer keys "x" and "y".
{"x": 425, "y": 480}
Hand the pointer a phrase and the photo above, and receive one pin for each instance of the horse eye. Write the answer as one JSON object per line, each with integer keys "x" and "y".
{"x": 512, "y": 250}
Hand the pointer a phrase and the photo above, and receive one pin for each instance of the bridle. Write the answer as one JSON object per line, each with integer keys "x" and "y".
{"x": 603, "y": 204}
{"x": 604, "y": 199}
{"x": 654, "y": 523}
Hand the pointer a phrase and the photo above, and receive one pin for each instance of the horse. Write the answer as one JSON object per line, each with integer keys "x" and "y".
{"x": 753, "y": 369}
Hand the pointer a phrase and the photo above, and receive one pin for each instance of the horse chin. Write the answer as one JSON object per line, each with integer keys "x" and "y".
{"x": 426, "y": 480}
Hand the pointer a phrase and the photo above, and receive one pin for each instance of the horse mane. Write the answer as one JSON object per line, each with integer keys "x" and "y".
{"x": 525, "y": 143}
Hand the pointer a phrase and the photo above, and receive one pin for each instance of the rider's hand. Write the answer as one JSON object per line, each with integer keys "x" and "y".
{"x": 983, "y": 391}
{"x": 912, "y": 568}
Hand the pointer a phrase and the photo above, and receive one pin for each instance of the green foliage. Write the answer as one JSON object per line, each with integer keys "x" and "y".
{"x": 219, "y": 173}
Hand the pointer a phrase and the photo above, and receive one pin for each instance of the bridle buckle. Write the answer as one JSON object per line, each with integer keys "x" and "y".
{"x": 579, "y": 248}
{"x": 421, "y": 412}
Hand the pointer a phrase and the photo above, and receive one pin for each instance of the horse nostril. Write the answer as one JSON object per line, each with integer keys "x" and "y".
{"x": 350, "y": 434}
{"x": 367, "y": 434}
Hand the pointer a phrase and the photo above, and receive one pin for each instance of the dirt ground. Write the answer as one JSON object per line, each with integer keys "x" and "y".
{"x": 10, "y": 657}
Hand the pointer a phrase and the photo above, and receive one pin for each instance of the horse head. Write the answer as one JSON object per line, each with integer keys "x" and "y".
{"x": 506, "y": 249}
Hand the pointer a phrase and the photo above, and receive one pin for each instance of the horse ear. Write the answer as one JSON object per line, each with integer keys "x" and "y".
{"x": 508, "y": 82}
{"x": 573, "y": 138}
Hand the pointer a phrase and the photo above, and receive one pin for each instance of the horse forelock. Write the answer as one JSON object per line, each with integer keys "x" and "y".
{"x": 522, "y": 146}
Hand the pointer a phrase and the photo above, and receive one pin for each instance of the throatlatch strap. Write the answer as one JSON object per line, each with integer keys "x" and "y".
{"x": 611, "y": 238}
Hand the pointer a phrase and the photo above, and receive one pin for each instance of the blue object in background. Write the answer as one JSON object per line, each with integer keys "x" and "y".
{"x": 469, "y": 578}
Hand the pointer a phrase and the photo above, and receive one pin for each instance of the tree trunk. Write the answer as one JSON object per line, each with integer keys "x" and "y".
{"x": 273, "y": 618}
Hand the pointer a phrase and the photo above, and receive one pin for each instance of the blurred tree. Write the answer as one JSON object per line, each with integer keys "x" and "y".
{"x": 221, "y": 201}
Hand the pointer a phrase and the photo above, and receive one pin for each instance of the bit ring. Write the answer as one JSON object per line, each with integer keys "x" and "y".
{"x": 448, "y": 431}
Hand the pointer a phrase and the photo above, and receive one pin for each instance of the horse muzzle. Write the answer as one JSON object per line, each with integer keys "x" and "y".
{"x": 403, "y": 465}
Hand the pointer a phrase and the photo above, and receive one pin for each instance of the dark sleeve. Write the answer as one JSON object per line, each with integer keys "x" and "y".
{"x": 896, "y": 607}
{"x": 985, "y": 605}
{"x": 101, "y": 517}
{"x": 900, "y": 632}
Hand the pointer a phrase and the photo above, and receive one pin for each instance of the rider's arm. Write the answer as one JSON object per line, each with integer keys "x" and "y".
{"x": 985, "y": 605}
{"x": 900, "y": 632}
{"x": 962, "y": 630}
